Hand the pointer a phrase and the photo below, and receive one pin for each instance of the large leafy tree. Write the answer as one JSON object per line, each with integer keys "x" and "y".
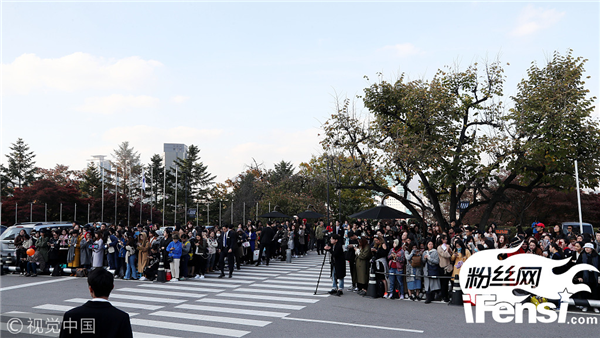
{"x": 21, "y": 165}
{"x": 59, "y": 174}
{"x": 44, "y": 196}
{"x": 342, "y": 201}
{"x": 452, "y": 135}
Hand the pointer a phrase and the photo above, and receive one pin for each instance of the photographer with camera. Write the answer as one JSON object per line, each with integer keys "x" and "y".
{"x": 338, "y": 265}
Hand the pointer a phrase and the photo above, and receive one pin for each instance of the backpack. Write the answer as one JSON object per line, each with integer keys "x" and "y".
{"x": 415, "y": 261}
{"x": 81, "y": 272}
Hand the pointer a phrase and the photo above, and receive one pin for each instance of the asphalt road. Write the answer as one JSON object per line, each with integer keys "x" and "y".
{"x": 288, "y": 308}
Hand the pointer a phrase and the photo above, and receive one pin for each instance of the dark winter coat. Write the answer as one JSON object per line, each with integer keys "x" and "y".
{"x": 338, "y": 261}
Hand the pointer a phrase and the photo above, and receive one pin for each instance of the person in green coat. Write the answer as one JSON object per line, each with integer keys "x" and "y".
{"x": 363, "y": 259}
{"x": 320, "y": 237}
{"x": 42, "y": 247}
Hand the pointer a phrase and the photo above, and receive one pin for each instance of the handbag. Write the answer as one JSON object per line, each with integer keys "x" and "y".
{"x": 246, "y": 244}
{"x": 255, "y": 254}
{"x": 415, "y": 261}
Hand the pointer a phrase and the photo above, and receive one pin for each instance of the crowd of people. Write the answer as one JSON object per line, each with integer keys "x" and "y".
{"x": 403, "y": 256}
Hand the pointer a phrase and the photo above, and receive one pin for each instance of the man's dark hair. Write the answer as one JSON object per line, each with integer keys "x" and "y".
{"x": 101, "y": 281}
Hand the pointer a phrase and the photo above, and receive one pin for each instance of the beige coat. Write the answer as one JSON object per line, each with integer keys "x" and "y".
{"x": 444, "y": 256}
{"x": 143, "y": 248}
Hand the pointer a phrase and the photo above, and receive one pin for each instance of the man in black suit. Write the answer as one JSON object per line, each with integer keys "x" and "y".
{"x": 227, "y": 248}
{"x": 97, "y": 317}
{"x": 338, "y": 229}
{"x": 266, "y": 239}
{"x": 338, "y": 265}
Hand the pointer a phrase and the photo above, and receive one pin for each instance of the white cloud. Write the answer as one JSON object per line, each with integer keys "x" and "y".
{"x": 272, "y": 147}
{"x": 179, "y": 99}
{"x": 117, "y": 103}
{"x": 75, "y": 72}
{"x": 401, "y": 50}
{"x": 532, "y": 19}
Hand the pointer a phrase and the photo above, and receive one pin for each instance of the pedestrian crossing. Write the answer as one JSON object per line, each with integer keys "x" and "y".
{"x": 210, "y": 307}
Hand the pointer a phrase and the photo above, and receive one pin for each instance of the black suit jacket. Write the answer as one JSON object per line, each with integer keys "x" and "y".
{"x": 108, "y": 321}
{"x": 231, "y": 242}
{"x": 266, "y": 235}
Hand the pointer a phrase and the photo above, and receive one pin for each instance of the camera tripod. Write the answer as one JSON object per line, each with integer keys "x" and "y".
{"x": 321, "y": 272}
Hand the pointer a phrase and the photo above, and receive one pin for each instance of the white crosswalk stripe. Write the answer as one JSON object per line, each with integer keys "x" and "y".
{"x": 188, "y": 327}
{"x": 233, "y": 310}
{"x": 255, "y": 304}
{"x": 245, "y": 280}
{"x": 279, "y": 286}
{"x": 164, "y": 293}
{"x": 180, "y": 287}
{"x": 119, "y": 304}
{"x": 150, "y": 335}
{"x": 262, "y": 297}
{"x": 208, "y": 318}
{"x": 65, "y": 308}
{"x": 282, "y": 292}
{"x": 153, "y": 299}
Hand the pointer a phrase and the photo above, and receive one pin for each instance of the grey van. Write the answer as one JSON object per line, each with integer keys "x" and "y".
{"x": 585, "y": 228}
{"x": 7, "y": 247}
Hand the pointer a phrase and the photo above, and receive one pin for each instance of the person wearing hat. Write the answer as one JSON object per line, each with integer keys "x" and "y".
{"x": 174, "y": 250}
{"x": 589, "y": 277}
{"x": 539, "y": 230}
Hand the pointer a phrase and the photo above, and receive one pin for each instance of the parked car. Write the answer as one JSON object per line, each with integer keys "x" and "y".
{"x": 585, "y": 228}
{"x": 2, "y": 228}
{"x": 7, "y": 247}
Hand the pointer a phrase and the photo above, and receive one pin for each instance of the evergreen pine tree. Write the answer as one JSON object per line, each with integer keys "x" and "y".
{"x": 21, "y": 166}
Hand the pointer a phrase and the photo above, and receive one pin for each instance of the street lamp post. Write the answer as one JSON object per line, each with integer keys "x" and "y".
{"x": 176, "y": 173}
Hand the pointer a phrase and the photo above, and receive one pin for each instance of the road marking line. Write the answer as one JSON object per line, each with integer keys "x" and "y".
{"x": 233, "y": 310}
{"x": 36, "y": 283}
{"x": 255, "y": 304}
{"x": 188, "y": 327}
{"x": 207, "y": 318}
{"x": 352, "y": 324}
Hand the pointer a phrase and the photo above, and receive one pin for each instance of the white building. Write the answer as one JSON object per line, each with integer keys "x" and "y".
{"x": 173, "y": 151}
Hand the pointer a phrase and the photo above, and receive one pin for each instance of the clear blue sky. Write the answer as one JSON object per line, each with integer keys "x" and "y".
{"x": 245, "y": 80}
